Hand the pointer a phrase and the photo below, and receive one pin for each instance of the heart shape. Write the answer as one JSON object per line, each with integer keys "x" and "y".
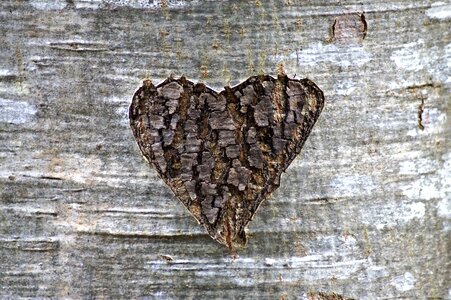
{"x": 223, "y": 153}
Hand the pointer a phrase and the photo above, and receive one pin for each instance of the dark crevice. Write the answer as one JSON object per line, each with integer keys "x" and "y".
{"x": 365, "y": 25}
{"x": 420, "y": 114}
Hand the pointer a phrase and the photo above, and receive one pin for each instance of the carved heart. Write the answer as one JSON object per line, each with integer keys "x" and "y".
{"x": 223, "y": 154}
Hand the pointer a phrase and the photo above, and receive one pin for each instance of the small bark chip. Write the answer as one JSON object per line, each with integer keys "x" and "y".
{"x": 223, "y": 153}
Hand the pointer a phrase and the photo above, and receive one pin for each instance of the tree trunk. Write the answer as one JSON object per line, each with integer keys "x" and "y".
{"x": 363, "y": 212}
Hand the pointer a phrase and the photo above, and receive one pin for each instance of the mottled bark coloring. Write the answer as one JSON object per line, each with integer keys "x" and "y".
{"x": 223, "y": 153}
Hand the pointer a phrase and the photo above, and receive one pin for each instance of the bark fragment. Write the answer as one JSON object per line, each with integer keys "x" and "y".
{"x": 223, "y": 154}
{"x": 349, "y": 28}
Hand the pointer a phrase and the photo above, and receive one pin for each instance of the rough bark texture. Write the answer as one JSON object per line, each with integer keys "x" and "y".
{"x": 223, "y": 154}
{"x": 362, "y": 213}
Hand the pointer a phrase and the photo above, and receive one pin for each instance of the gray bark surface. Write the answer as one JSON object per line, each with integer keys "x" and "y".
{"x": 363, "y": 211}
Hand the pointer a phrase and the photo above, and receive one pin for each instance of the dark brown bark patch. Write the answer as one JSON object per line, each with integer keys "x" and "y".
{"x": 223, "y": 153}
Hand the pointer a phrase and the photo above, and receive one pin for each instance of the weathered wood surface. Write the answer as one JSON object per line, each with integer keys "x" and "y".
{"x": 362, "y": 212}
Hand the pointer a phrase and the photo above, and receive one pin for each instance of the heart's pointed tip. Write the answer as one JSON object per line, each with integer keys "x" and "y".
{"x": 238, "y": 243}
{"x": 232, "y": 238}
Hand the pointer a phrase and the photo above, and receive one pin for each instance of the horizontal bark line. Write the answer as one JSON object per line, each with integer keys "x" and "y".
{"x": 39, "y": 245}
